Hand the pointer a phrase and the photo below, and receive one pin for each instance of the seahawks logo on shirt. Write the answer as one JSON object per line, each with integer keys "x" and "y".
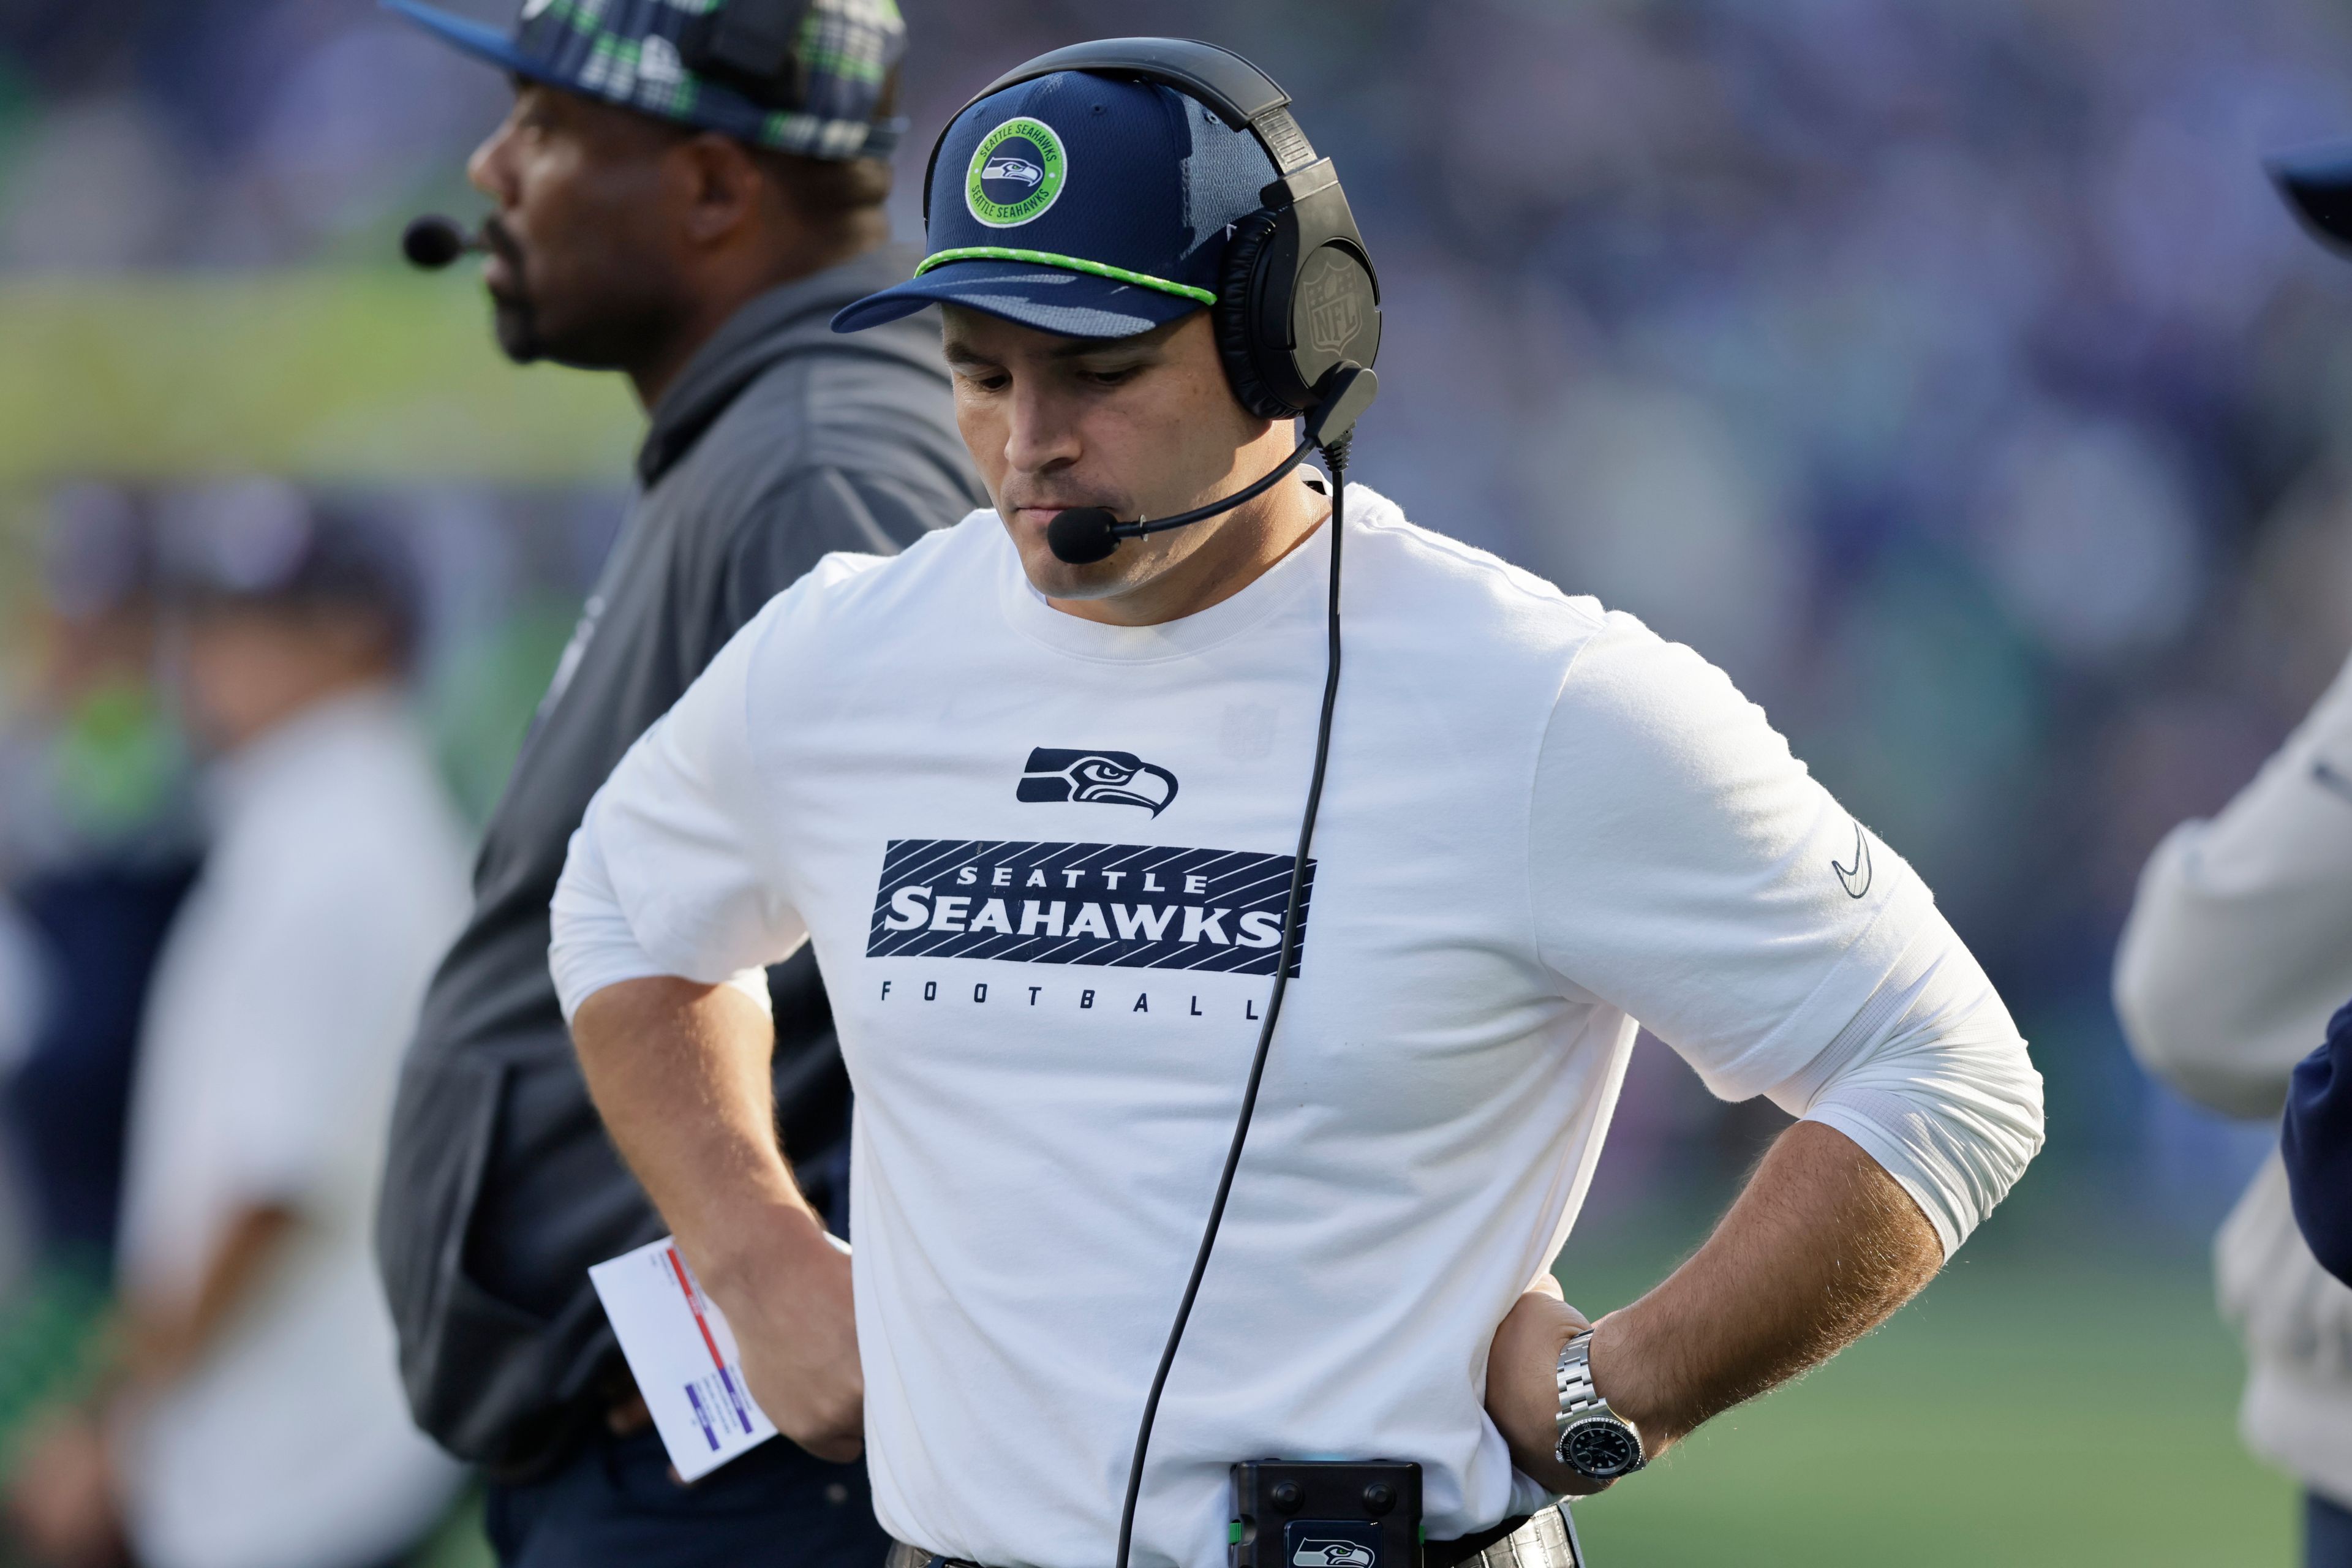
{"x": 1110, "y": 778}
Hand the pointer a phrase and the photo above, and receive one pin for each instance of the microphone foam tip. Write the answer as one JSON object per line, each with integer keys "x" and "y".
{"x": 1081, "y": 535}
{"x": 432, "y": 243}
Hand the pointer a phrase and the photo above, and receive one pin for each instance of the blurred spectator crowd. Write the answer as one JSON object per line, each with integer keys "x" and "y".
{"x": 1944, "y": 369}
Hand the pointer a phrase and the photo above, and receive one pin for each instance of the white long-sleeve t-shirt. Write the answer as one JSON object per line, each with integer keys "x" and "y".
{"x": 1043, "y": 861}
{"x": 2240, "y": 942}
{"x": 2238, "y": 949}
{"x": 272, "y": 1040}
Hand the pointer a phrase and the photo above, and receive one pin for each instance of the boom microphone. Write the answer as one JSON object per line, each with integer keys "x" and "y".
{"x": 1085, "y": 534}
{"x": 433, "y": 242}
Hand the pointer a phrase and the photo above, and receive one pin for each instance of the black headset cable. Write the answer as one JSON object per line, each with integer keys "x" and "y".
{"x": 1335, "y": 456}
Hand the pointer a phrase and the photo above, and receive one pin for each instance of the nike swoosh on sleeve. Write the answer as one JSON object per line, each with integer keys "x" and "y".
{"x": 1855, "y": 879}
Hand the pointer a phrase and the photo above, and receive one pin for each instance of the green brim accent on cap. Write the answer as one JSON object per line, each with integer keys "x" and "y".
{"x": 1067, "y": 264}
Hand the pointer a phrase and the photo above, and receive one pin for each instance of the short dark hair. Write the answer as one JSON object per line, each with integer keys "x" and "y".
{"x": 823, "y": 189}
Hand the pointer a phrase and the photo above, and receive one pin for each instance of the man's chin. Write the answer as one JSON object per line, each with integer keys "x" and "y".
{"x": 518, "y": 334}
{"x": 1058, "y": 579}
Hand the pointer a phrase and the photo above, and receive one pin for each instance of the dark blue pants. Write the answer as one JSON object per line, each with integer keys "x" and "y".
{"x": 2326, "y": 1533}
{"x": 614, "y": 1504}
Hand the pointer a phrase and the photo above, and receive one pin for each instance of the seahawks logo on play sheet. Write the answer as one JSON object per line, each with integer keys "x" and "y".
{"x": 1320, "y": 1553}
{"x": 1017, "y": 173}
{"x": 1107, "y": 778}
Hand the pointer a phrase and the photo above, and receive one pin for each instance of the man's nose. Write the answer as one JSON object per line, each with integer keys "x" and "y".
{"x": 488, "y": 170}
{"x": 1041, "y": 435}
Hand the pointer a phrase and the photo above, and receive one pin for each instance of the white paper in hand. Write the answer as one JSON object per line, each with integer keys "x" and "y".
{"x": 684, "y": 1358}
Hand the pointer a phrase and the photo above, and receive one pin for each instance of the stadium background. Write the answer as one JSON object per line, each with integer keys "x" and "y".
{"x": 1945, "y": 371}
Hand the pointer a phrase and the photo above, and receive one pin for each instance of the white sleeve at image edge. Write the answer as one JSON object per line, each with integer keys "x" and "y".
{"x": 592, "y": 945}
{"x": 1932, "y": 1080}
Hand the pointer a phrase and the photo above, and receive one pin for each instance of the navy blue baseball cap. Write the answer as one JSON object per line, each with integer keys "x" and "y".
{"x": 264, "y": 543}
{"x": 1084, "y": 205}
{"x": 635, "y": 53}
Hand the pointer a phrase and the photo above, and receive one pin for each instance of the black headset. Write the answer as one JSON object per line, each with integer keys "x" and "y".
{"x": 1299, "y": 295}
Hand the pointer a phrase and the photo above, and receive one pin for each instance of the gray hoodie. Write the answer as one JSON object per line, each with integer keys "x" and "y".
{"x": 780, "y": 443}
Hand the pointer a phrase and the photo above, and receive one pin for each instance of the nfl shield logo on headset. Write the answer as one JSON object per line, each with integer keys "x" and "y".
{"x": 1332, "y": 306}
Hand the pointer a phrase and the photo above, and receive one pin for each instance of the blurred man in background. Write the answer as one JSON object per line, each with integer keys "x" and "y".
{"x": 2238, "y": 949}
{"x": 255, "y": 1419}
{"x": 687, "y": 199}
{"x": 98, "y": 839}
{"x": 98, "y": 844}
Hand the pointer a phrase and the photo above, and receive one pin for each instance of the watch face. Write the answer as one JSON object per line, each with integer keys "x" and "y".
{"x": 1600, "y": 1448}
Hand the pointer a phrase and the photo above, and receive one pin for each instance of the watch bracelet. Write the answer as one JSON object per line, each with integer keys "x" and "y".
{"x": 1579, "y": 1396}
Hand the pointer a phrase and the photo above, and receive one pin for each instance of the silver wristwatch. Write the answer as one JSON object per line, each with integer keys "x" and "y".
{"x": 1595, "y": 1440}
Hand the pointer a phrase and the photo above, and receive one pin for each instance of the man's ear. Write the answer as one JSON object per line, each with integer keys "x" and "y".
{"x": 724, "y": 188}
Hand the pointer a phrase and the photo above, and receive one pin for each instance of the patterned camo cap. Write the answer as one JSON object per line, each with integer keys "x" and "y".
{"x": 627, "y": 52}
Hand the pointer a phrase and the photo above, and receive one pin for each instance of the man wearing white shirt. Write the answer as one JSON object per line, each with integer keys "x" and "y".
{"x": 1045, "y": 876}
{"x": 2238, "y": 949}
{"x": 256, "y": 1419}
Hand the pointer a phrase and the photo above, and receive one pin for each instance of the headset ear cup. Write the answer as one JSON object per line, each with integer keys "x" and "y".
{"x": 1235, "y": 312}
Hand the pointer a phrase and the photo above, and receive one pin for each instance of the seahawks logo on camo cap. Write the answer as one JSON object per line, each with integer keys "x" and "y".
{"x": 1017, "y": 173}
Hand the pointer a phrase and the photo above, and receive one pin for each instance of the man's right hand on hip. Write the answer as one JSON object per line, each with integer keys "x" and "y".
{"x": 786, "y": 1293}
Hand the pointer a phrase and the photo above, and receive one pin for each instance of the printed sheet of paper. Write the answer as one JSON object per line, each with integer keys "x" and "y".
{"x": 684, "y": 1358}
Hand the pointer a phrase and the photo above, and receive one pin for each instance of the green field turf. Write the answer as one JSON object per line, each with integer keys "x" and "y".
{"x": 367, "y": 375}
{"x": 2064, "y": 1405}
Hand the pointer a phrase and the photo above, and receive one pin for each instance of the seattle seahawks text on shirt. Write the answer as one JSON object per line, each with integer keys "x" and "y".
{"x": 1122, "y": 905}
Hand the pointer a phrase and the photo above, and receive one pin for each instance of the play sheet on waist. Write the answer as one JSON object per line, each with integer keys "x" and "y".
{"x": 683, "y": 1356}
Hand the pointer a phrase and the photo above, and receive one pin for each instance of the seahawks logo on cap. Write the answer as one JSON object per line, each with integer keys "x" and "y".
{"x": 1016, "y": 171}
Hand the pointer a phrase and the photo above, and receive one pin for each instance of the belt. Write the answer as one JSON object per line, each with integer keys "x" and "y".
{"x": 1546, "y": 1539}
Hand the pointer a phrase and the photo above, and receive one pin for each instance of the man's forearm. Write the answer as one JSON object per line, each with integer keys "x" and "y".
{"x": 679, "y": 1071}
{"x": 1820, "y": 1247}
{"x": 163, "y": 1340}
